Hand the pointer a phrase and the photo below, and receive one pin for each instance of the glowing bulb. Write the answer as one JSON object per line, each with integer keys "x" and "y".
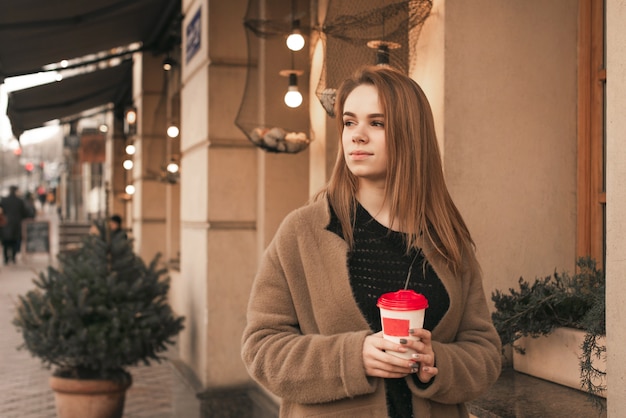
{"x": 168, "y": 63}
{"x": 128, "y": 164}
{"x": 130, "y": 149}
{"x": 103, "y": 128}
{"x": 130, "y": 121}
{"x": 131, "y": 116}
{"x": 173, "y": 131}
{"x": 172, "y": 167}
{"x": 130, "y": 189}
{"x": 295, "y": 41}
{"x": 293, "y": 98}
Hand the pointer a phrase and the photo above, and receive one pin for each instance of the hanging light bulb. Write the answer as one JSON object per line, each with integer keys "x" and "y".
{"x": 130, "y": 149}
{"x": 172, "y": 167}
{"x": 295, "y": 40}
{"x": 128, "y": 164}
{"x": 130, "y": 189}
{"x": 173, "y": 131}
{"x": 168, "y": 63}
{"x": 293, "y": 98}
{"x": 130, "y": 121}
{"x": 131, "y": 115}
{"x": 383, "y": 50}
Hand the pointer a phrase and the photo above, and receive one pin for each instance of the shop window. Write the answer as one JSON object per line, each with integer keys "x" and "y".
{"x": 591, "y": 229}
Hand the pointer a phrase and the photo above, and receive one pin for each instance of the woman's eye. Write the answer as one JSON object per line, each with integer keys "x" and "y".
{"x": 378, "y": 123}
{"x": 348, "y": 123}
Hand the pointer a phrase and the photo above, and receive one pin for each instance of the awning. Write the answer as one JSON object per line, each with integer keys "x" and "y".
{"x": 31, "y": 108}
{"x": 35, "y": 33}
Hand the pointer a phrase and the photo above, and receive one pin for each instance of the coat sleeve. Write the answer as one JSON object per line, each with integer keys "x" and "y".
{"x": 302, "y": 368}
{"x": 470, "y": 362}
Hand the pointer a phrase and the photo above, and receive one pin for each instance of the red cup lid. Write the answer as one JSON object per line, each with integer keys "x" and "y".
{"x": 403, "y": 300}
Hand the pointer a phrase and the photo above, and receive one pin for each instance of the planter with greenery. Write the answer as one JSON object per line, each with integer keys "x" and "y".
{"x": 561, "y": 300}
{"x": 103, "y": 309}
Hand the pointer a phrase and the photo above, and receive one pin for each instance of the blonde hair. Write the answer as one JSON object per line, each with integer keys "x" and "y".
{"x": 420, "y": 203}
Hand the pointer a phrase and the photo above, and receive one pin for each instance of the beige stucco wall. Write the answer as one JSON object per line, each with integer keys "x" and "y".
{"x": 429, "y": 71}
{"x": 509, "y": 135}
{"x": 616, "y": 205}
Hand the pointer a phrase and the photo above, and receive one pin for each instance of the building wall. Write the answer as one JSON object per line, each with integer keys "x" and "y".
{"x": 615, "y": 205}
{"x": 509, "y": 132}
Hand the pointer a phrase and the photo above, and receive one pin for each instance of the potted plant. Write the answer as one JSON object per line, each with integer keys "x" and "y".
{"x": 551, "y": 303}
{"x": 103, "y": 309}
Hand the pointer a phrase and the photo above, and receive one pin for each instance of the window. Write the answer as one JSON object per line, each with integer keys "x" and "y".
{"x": 591, "y": 137}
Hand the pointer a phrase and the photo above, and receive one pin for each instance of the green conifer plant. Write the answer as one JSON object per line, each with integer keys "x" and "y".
{"x": 561, "y": 300}
{"x": 103, "y": 309}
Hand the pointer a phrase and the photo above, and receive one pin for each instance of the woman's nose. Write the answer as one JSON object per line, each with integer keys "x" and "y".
{"x": 358, "y": 138}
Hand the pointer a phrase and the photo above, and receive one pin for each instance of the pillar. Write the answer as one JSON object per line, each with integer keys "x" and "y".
{"x": 148, "y": 208}
{"x": 615, "y": 205}
{"x": 218, "y": 195}
{"x": 233, "y": 196}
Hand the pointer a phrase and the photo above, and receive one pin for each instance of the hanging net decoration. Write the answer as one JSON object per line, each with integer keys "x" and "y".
{"x": 357, "y": 32}
{"x": 254, "y": 119}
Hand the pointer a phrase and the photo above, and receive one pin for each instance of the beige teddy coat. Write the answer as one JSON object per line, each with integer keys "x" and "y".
{"x": 304, "y": 335}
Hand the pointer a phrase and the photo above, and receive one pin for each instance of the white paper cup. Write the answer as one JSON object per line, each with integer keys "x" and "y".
{"x": 399, "y": 312}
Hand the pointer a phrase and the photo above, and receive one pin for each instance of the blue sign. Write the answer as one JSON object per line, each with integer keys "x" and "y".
{"x": 194, "y": 35}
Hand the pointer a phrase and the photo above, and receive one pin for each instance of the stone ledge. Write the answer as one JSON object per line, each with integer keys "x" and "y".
{"x": 519, "y": 395}
{"x": 238, "y": 401}
{"x": 514, "y": 395}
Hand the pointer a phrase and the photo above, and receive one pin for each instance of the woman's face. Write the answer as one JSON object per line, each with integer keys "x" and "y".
{"x": 363, "y": 136}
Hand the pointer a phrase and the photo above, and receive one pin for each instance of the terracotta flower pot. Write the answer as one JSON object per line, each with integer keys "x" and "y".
{"x": 79, "y": 398}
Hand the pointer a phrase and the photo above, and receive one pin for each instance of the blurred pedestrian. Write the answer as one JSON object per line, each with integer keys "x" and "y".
{"x": 15, "y": 211}
{"x": 115, "y": 224}
{"x": 41, "y": 196}
{"x": 3, "y": 220}
{"x": 29, "y": 200}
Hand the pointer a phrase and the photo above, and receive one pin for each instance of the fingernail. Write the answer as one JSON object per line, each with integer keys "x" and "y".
{"x": 411, "y": 331}
{"x": 416, "y": 356}
{"x": 403, "y": 341}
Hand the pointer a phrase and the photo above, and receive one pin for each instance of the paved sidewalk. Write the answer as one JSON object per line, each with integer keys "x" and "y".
{"x": 158, "y": 390}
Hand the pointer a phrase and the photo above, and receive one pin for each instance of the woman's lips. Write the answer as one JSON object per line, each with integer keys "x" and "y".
{"x": 359, "y": 155}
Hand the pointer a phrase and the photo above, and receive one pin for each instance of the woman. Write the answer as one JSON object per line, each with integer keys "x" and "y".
{"x": 385, "y": 218}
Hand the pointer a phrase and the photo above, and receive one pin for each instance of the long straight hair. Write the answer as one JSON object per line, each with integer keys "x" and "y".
{"x": 420, "y": 203}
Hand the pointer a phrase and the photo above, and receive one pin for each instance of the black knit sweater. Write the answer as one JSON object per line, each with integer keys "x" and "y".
{"x": 378, "y": 263}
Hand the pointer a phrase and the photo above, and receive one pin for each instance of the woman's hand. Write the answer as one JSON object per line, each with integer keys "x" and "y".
{"x": 425, "y": 356}
{"x": 378, "y": 363}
